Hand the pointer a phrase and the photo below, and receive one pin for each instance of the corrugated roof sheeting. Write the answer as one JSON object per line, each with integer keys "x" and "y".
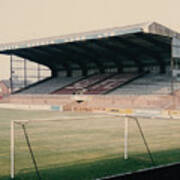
{"x": 151, "y": 27}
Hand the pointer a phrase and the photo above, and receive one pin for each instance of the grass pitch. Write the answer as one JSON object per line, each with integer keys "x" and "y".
{"x": 86, "y": 148}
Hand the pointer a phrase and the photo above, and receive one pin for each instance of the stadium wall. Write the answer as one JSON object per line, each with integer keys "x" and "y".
{"x": 150, "y": 105}
{"x": 100, "y": 102}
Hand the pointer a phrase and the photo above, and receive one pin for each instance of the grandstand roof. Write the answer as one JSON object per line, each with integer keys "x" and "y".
{"x": 136, "y": 45}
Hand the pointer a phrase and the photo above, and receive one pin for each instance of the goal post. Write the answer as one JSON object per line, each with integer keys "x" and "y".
{"x": 121, "y": 125}
{"x": 12, "y": 151}
{"x": 125, "y": 138}
{"x": 142, "y": 136}
{"x": 22, "y": 123}
{"x": 12, "y": 146}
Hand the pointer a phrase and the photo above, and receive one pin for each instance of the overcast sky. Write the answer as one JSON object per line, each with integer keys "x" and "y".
{"x": 30, "y": 19}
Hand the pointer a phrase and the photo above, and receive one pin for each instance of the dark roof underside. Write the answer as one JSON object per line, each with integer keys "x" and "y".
{"x": 130, "y": 50}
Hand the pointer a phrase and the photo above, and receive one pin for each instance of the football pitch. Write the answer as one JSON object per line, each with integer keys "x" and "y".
{"x": 84, "y": 146}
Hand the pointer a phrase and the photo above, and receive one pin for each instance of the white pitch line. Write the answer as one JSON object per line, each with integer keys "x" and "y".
{"x": 61, "y": 118}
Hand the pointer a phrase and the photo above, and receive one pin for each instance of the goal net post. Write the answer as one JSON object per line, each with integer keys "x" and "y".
{"x": 140, "y": 129}
{"x": 23, "y": 124}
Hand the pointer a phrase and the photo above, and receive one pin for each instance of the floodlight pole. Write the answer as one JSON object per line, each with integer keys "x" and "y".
{"x": 126, "y": 138}
{"x": 12, "y": 151}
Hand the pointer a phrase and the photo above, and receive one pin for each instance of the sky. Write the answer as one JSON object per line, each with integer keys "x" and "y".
{"x": 32, "y": 19}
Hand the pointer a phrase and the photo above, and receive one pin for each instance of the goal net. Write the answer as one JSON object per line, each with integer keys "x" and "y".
{"x": 90, "y": 147}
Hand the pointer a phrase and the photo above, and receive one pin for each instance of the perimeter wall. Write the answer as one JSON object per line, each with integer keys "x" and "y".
{"x": 99, "y": 102}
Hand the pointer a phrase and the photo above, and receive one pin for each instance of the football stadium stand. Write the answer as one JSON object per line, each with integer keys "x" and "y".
{"x": 107, "y": 83}
{"x": 151, "y": 83}
{"x": 79, "y": 86}
{"x": 46, "y": 87}
{"x": 111, "y": 83}
{"x": 104, "y": 66}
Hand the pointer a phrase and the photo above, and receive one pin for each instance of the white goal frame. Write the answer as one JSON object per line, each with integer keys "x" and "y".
{"x": 23, "y": 122}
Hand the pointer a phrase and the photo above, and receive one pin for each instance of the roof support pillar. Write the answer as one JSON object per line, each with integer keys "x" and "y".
{"x": 54, "y": 73}
{"x": 162, "y": 69}
{"x": 102, "y": 70}
{"x": 84, "y": 72}
{"x": 140, "y": 69}
{"x": 11, "y": 73}
{"x": 69, "y": 73}
{"x": 120, "y": 69}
